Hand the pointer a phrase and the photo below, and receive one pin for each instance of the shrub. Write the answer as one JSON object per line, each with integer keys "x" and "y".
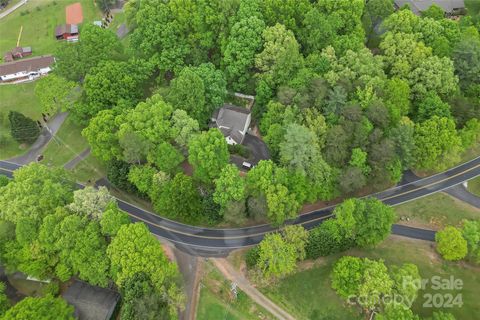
{"x": 251, "y": 257}
{"x": 322, "y": 241}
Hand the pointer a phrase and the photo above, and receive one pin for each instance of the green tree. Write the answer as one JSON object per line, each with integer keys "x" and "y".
{"x": 142, "y": 177}
{"x": 359, "y": 160}
{"x": 22, "y": 128}
{"x": 276, "y": 257}
{"x": 436, "y": 143}
{"x": 244, "y": 41}
{"x": 299, "y": 148}
{"x": 135, "y": 250}
{"x": 4, "y": 302}
{"x": 229, "y": 186}
{"x": 110, "y": 83}
{"x": 55, "y": 93}
{"x": 405, "y": 281}
{"x": 451, "y": 244}
{"x": 281, "y": 204}
{"x": 187, "y": 92}
{"x": 395, "y": 311}
{"x": 215, "y": 86}
{"x": 183, "y": 127}
{"x": 113, "y": 219}
{"x": 178, "y": 198}
{"x": 98, "y": 44}
{"x": 280, "y": 58}
{"x": 347, "y": 276}
{"x": 471, "y": 233}
{"x": 435, "y": 12}
{"x": 101, "y": 136}
{"x": 466, "y": 58}
{"x": 35, "y": 191}
{"x": 431, "y": 106}
{"x": 45, "y": 308}
{"x": 165, "y": 157}
{"x": 208, "y": 154}
{"x": 297, "y": 236}
{"x": 90, "y": 201}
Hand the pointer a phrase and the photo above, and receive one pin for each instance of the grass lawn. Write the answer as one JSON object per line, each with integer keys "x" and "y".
{"x": 20, "y": 98}
{"x": 118, "y": 19}
{"x": 474, "y": 186}
{"x": 67, "y": 143}
{"x": 39, "y": 19}
{"x": 308, "y": 292}
{"x": 90, "y": 169}
{"x": 437, "y": 210}
{"x": 218, "y": 303}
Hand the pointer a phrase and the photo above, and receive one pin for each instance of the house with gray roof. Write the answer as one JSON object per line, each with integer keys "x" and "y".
{"x": 233, "y": 122}
{"x": 91, "y": 302}
{"x": 451, "y": 7}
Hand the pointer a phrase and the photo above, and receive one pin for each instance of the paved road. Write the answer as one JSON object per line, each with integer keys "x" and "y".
{"x": 15, "y": 7}
{"x": 43, "y": 139}
{"x": 218, "y": 242}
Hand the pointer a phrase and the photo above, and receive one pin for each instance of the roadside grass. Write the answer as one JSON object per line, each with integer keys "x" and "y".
{"x": 474, "y": 186}
{"x": 308, "y": 294}
{"x": 88, "y": 170}
{"x": 436, "y": 211}
{"x": 118, "y": 19}
{"x": 20, "y": 98}
{"x": 66, "y": 145}
{"x": 217, "y": 301}
{"x": 39, "y": 19}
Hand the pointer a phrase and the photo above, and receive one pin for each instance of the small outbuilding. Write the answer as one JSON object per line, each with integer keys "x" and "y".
{"x": 91, "y": 302}
{"x": 67, "y": 32}
{"x": 233, "y": 122}
{"x": 17, "y": 53}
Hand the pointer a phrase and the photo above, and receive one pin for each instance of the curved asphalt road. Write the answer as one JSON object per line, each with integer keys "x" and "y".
{"x": 208, "y": 242}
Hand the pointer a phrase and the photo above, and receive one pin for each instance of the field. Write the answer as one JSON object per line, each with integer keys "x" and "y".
{"x": 436, "y": 211}
{"x": 20, "y": 98}
{"x": 308, "y": 294}
{"x": 474, "y": 186}
{"x": 217, "y": 302}
{"x": 39, "y": 19}
{"x": 88, "y": 171}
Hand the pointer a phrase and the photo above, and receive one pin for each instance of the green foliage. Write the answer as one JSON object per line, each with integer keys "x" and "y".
{"x": 229, "y": 186}
{"x": 244, "y": 41}
{"x": 280, "y": 59}
{"x": 145, "y": 255}
{"x": 324, "y": 240}
{"x": 112, "y": 220}
{"x": 141, "y": 301}
{"x": 431, "y": 106}
{"x": 187, "y": 92}
{"x": 55, "y": 93}
{"x": 450, "y": 243}
{"x": 47, "y": 308}
{"x": 165, "y": 157}
{"x": 4, "y": 303}
{"x": 90, "y": 201}
{"x": 252, "y": 256}
{"x": 117, "y": 174}
{"x": 208, "y": 154}
{"x": 101, "y": 136}
{"x": 22, "y": 128}
{"x": 110, "y": 83}
{"x": 183, "y": 127}
{"x": 75, "y": 61}
{"x": 437, "y": 143}
{"x": 178, "y": 198}
{"x": 367, "y": 221}
{"x": 281, "y": 204}
{"x": 276, "y": 257}
{"x": 142, "y": 178}
{"x": 34, "y": 192}
{"x": 4, "y": 180}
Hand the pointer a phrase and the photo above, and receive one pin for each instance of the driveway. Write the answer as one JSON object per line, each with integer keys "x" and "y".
{"x": 258, "y": 151}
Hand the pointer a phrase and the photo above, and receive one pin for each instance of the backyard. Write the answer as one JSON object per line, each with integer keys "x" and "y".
{"x": 319, "y": 301}
{"x": 39, "y": 19}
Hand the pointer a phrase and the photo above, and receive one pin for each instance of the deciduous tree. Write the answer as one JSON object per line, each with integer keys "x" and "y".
{"x": 451, "y": 244}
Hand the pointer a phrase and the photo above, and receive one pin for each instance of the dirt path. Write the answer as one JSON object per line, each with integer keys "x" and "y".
{"x": 231, "y": 274}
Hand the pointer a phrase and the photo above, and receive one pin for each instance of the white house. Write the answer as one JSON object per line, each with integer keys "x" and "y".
{"x": 26, "y": 69}
{"x": 233, "y": 122}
